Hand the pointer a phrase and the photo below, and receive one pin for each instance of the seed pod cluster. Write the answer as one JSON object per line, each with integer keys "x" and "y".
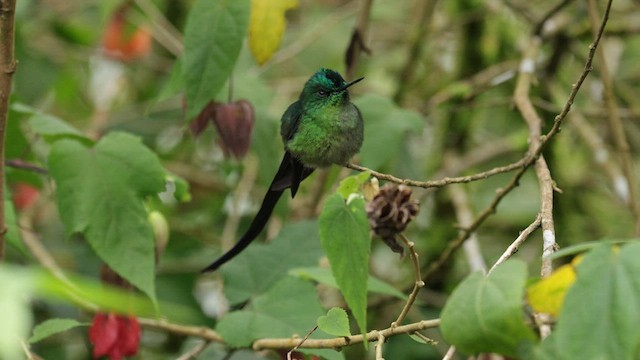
{"x": 390, "y": 211}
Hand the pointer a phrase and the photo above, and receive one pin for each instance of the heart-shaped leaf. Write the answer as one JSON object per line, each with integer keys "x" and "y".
{"x": 335, "y": 323}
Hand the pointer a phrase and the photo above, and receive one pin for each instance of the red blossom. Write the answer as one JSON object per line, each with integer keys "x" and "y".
{"x": 115, "y": 336}
{"x": 24, "y": 195}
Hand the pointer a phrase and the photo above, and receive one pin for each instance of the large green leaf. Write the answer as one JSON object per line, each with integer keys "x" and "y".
{"x": 601, "y": 311}
{"x": 260, "y": 266}
{"x": 100, "y": 194}
{"x": 290, "y": 307}
{"x": 386, "y": 129}
{"x": 345, "y": 237}
{"x": 485, "y": 314}
{"x": 213, "y": 38}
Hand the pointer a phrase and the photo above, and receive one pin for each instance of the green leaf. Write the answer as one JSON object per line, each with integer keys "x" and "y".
{"x": 484, "y": 313}
{"x": 90, "y": 292}
{"x": 599, "y": 318}
{"x": 324, "y": 276}
{"x": 335, "y": 323}
{"x": 48, "y": 126}
{"x": 260, "y": 266}
{"x": 345, "y": 238}
{"x": 351, "y": 184}
{"x": 586, "y": 246}
{"x": 212, "y": 41}
{"x": 100, "y": 193}
{"x": 290, "y": 307}
{"x": 386, "y": 130}
{"x": 15, "y": 308}
{"x": 51, "y": 327}
{"x": 12, "y": 236}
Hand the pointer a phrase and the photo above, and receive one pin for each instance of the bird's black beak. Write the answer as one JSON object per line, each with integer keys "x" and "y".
{"x": 352, "y": 83}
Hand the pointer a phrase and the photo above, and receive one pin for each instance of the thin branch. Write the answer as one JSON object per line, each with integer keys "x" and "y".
{"x": 515, "y": 245}
{"x": 417, "y": 285}
{"x": 163, "y": 31}
{"x": 197, "y": 331}
{"x": 417, "y": 44}
{"x": 616, "y": 125}
{"x": 539, "y": 28}
{"x": 528, "y": 159}
{"x": 534, "y": 122}
{"x": 7, "y": 68}
{"x": 301, "y": 342}
{"x": 288, "y": 343}
{"x": 450, "y": 353}
{"x": 305, "y": 40}
{"x": 23, "y": 165}
{"x": 195, "y": 351}
{"x": 426, "y": 339}
{"x": 379, "y": 347}
{"x": 358, "y": 39}
{"x": 447, "y": 180}
{"x": 597, "y": 145}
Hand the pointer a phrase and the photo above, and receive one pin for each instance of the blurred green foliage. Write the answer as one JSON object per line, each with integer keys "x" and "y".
{"x": 438, "y": 87}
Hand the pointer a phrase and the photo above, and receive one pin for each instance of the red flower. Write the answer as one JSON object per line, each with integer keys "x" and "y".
{"x": 115, "y": 336}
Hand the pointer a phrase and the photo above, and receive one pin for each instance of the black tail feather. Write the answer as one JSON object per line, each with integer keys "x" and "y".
{"x": 258, "y": 223}
{"x": 289, "y": 175}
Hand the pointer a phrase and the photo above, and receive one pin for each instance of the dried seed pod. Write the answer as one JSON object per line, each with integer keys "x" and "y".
{"x": 390, "y": 212}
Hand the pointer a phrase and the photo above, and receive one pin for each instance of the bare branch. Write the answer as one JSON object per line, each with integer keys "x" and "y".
{"x": 7, "y": 68}
{"x": 288, "y": 343}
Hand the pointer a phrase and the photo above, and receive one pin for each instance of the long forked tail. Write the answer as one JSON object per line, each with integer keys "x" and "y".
{"x": 258, "y": 223}
{"x": 289, "y": 176}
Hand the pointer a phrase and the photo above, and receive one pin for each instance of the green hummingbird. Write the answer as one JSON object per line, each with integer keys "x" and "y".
{"x": 322, "y": 128}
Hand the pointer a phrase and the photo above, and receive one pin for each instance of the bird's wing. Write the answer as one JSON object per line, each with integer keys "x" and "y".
{"x": 290, "y": 120}
{"x": 292, "y": 171}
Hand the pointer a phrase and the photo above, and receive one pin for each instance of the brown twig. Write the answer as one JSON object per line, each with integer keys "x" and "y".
{"x": 196, "y": 331}
{"x": 301, "y": 342}
{"x": 288, "y": 343}
{"x": 515, "y": 245}
{"x": 416, "y": 286}
{"x": 195, "y": 351}
{"x": 597, "y": 145}
{"x": 534, "y": 122}
{"x": 539, "y": 28}
{"x": 417, "y": 44}
{"x": 163, "y": 31}
{"x": 7, "y": 68}
{"x": 379, "y": 347}
{"x": 357, "y": 44}
{"x": 445, "y": 181}
{"x": 23, "y": 165}
{"x": 616, "y": 125}
{"x": 528, "y": 160}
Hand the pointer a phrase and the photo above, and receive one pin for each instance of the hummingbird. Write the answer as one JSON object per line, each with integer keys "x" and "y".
{"x": 323, "y": 127}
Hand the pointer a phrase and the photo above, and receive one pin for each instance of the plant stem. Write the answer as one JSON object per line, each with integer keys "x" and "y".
{"x": 416, "y": 286}
{"x": 7, "y": 68}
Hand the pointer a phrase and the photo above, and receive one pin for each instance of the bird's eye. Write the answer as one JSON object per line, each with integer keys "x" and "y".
{"x": 322, "y": 93}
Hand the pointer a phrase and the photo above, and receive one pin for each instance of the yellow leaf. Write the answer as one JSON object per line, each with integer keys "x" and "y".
{"x": 266, "y": 26}
{"x": 547, "y": 295}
